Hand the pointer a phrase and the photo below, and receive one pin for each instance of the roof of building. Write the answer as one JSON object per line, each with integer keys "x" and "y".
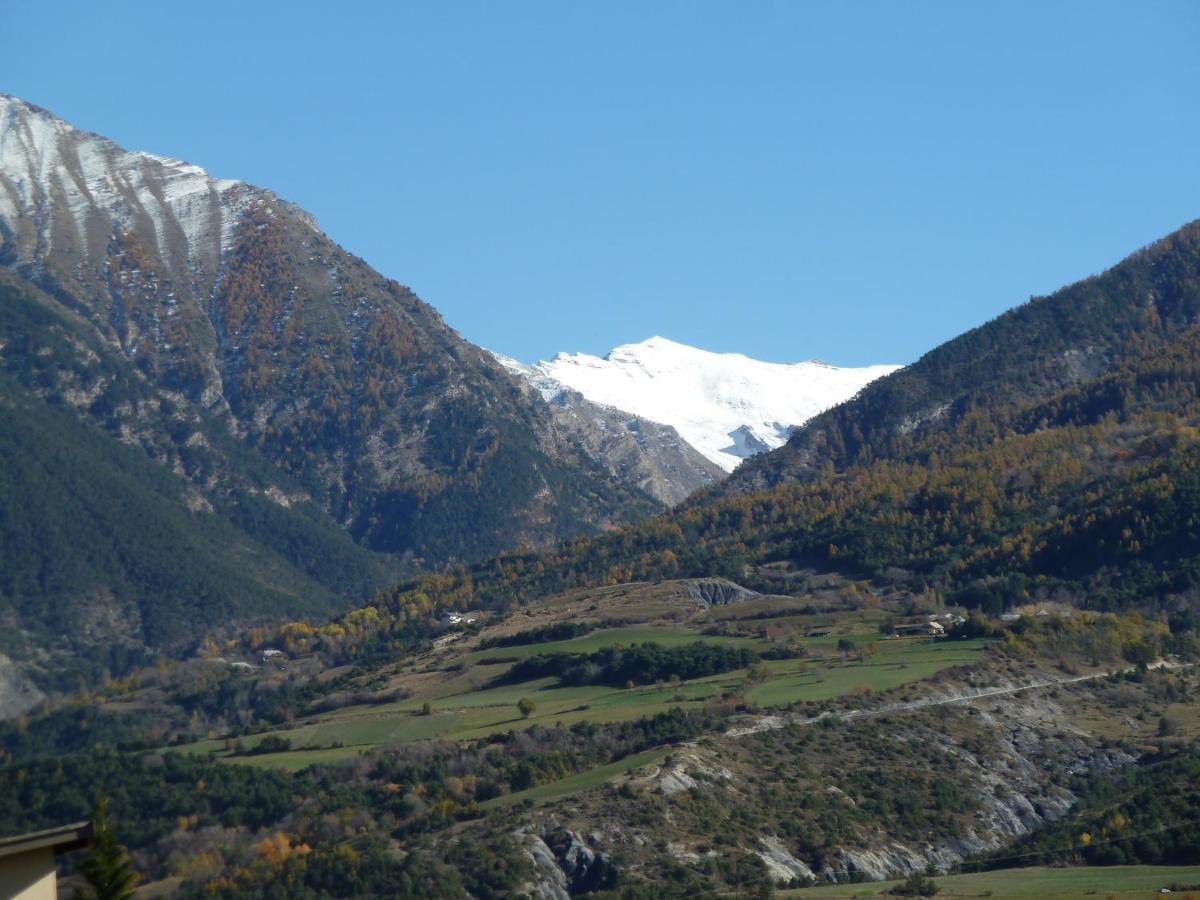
{"x": 63, "y": 839}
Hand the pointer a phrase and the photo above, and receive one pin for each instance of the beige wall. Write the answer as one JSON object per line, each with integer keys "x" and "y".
{"x": 29, "y": 876}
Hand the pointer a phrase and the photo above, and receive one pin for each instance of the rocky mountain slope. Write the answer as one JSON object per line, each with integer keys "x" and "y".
{"x": 648, "y": 454}
{"x": 289, "y": 389}
{"x": 110, "y": 547}
{"x": 726, "y": 405}
{"x": 868, "y": 799}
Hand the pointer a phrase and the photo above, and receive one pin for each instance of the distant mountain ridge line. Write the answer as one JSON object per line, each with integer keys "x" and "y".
{"x": 1043, "y": 345}
{"x": 728, "y": 406}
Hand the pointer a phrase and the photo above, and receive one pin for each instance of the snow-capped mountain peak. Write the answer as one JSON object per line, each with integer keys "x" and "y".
{"x": 57, "y": 178}
{"x": 727, "y": 405}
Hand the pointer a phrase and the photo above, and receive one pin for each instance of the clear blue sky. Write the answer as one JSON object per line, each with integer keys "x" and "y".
{"x": 850, "y": 181}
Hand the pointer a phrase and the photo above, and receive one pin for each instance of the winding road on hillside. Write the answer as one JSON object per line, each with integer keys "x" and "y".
{"x": 773, "y": 722}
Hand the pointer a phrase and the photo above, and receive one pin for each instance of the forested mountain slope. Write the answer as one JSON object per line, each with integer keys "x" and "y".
{"x": 1057, "y": 484}
{"x": 315, "y": 428}
{"x": 111, "y": 545}
{"x": 657, "y": 718}
{"x": 414, "y": 440}
{"x": 1030, "y": 352}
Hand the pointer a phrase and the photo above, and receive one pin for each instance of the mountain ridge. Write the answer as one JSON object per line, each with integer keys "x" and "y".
{"x": 1032, "y": 350}
{"x": 222, "y": 292}
{"x": 1050, "y": 470}
{"x": 612, "y": 713}
{"x": 728, "y": 406}
{"x": 299, "y": 397}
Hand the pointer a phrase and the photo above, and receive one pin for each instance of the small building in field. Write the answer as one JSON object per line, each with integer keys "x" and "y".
{"x": 933, "y": 629}
{"x": 27, "y": 868}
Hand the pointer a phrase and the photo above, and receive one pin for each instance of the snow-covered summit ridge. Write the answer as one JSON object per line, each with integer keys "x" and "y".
{"x": 727, "y": 405}
{"x": 49, "y": 168}
{"x": 544, "y": 384}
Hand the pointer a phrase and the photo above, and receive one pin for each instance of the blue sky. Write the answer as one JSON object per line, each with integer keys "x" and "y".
{"x": 850, "y": 181}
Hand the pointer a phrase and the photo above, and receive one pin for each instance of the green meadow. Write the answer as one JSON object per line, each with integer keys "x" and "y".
{"x": 467, "y": 704}
{"x": 573, "y": 784}
{"x": 608, "y": 637}
{"x": 1037, "y": 883}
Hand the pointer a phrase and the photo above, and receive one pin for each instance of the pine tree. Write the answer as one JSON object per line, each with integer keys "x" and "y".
{"x": 107, "y": 868}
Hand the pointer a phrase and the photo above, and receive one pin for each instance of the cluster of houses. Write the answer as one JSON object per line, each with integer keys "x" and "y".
{"x": 934, "y": 625}
{"x": 451, "y": 619}
{"x": 268, "y": 657}
{"x": 1059, "y": 610}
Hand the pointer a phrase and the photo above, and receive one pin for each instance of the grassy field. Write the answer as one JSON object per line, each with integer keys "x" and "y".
{"x": 1088, "y": 883}
{"x": 464, "y": 703}
{"x": 584, "y": 781}
{"x": 607, "y": 637}
{"x": 295, "y": 760}
{"x": 896, "y": 664}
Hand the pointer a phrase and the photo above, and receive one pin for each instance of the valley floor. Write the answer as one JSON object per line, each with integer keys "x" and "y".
{"x": 1036, "y": 883}
{"x": 773, "y": 739}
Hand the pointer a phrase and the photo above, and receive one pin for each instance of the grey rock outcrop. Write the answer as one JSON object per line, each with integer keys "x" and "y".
{"x": 551, "y": 882}
{"x": 648, "y": 455}
{"x": 565, "y": 861}
{"x": 17, "y": 691}
{"x": 781, "y": 865}
{"x": 718, "y": 592}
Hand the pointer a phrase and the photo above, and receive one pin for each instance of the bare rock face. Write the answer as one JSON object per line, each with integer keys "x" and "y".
{"x": 718, "y": 592}
{"x": 551, "y": 882}
{"x": 565, "y": 862}
{"x": 649, "y": 455}
{"x": 17, "y": 691}
{"x": 1013, "y": 783}
{"x": 781, "y": 865}
{"x": 1009, "y": 747}
{"x": 689, "y": 768}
